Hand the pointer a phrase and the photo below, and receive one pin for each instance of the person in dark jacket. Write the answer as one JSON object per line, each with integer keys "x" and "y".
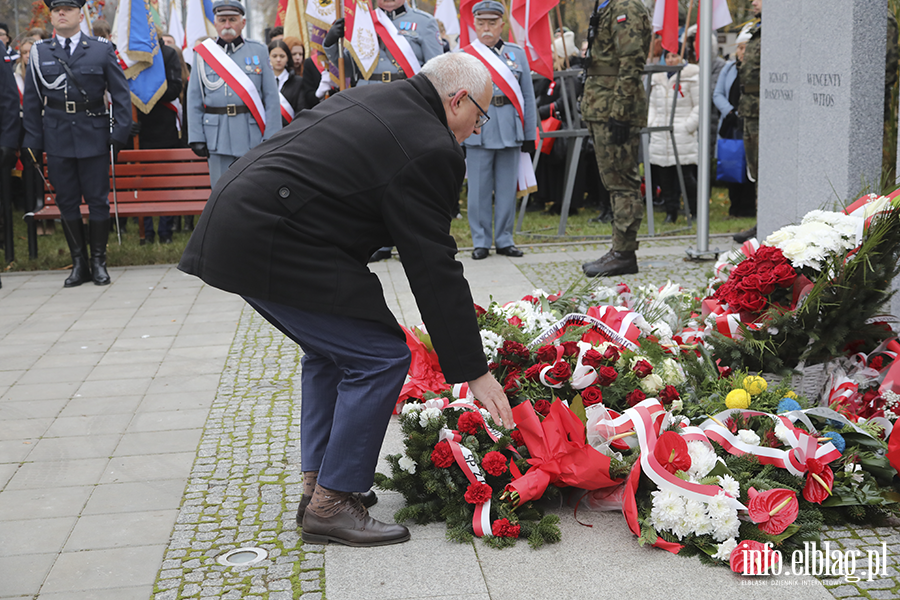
{"x": 289, "y": 88}
{"x": 307, "y": 231}
{"x": 9, "y": 141}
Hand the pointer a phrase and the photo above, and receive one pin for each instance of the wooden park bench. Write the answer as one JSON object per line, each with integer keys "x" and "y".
{"x": 148, "y": 183}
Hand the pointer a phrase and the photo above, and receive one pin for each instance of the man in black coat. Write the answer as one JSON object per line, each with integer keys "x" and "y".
{"x": 9, "y": 141}
{"x": 374, "y": 166}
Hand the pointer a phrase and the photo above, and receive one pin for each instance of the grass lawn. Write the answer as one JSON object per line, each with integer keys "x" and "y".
{"x": 53, "y": 253}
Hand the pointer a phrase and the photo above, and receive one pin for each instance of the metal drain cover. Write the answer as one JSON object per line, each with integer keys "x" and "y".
{"x": 241, "y": 557}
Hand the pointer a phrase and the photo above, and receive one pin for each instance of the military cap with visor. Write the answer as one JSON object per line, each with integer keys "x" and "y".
{"x": 228, "y": 7}
{"x": 488, "y": 9}
{"x": 51, "y": 4}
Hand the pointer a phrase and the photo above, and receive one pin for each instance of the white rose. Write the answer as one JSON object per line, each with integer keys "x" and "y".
{"x": 748, "y": 437}
{"x": 651, "y": 384}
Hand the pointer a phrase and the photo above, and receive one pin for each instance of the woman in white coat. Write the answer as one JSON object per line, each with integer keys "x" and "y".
{"x": 687, "y": 122}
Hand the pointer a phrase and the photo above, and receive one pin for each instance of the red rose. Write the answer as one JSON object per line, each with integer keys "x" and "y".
{"x": 470, "y": 422}
{"x": 442, "y": 456}
{"x": 724, "y": 372}
{"x": 606, "y": 375}
{"x": 760, "y": 283}
{"x": 517, "y": 437}
{"x": 514, "y": 321}
{"x": 478, "y": 310}
{"x": 769, "y": 253}
{"x": 592, "y": 358}
{"x": 611, "y": 354}
{"x": 570, "y": 348}
{"x": 635, "y": 398}
{"x": 494, "y": 463}
{"x": 533, "y": 373}
{"x": 512, "y": 385}
{"x": 561, "y": 371}
{"x": 531, "y": 299}
{"x": 642, "y": 369}
{"x": 754, "y": 303}
{"x": 542, "y": 406}
{"x": 591, "y": 396}
{"x": 784, "y": 275}
{"x": 668, "y": 394}
{"x": 547, "y": 354}
{"x": 478, "y": 493}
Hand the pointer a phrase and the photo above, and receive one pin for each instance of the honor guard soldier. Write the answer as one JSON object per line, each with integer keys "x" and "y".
{"x": 614, "y": 105}
{"x": 10, "y": 128}
{"x": 493, "y": 156}
{"x": 66, "y": 116}
{"x": 748, "y": 107}
{"x": 232, "y": 100}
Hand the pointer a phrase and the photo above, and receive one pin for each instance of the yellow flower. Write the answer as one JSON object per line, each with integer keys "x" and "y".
{"x": 790, "y": 394}
{"x": 755, "y": 385}
{"x": 737, "y": 399}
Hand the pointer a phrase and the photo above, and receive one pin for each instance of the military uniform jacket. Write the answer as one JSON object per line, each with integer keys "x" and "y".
{"x": 312, "y": 204}
{"x": 504, "y": 130}
{"x": 418, "y": 28}
{"x": 10, "y": 125}
{"x": 614, "y": 85}
{"x": 749, "y": 76}
{"x": 81, "y": 134}
{"x": 232, "y": 135}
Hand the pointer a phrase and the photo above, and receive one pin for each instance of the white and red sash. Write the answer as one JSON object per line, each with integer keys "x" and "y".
{"x": 175, "y": 107}
{"x": 227, "y": 69}
{"x": 395, "y": 43}
{"x": 287, "y": 111}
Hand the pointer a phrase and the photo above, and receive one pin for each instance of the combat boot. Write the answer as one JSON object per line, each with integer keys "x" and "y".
{"x": 618, "y": 263}
{"x": 99, "y": 238}
{"x": 596, "y": 264}
{"x": 81, "y": 272}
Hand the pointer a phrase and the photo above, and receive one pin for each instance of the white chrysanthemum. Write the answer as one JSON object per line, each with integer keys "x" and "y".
{"x": 726, "y": 528}
{"x": 490, "y": 343}
{"x": 702, "y": 459}
{"x": 651, "y": 384}
{"x": 724, "y": 550}
{"x": 748, "y": 436}
{"x": 668, "y": 509}
{"x": 782, "y": 433}
{"x": 662, "y": 330}
{"x": 429, "y": 414}
{"x": 718, "y": 507}
{"x": 407, "y": 464}
{"x": 411, "y": 407}
{"x": 672, "y": 373}
{"x": 695, "y": 512}
{"x": 730, "y": 485}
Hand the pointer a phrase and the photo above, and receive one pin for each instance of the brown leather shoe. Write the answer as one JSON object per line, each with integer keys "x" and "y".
{"x": 367, "y": 498}
{"x": 620, "y": 263}
{"x": 352, "y": 527}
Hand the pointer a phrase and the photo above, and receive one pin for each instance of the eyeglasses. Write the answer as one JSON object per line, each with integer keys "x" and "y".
{"x": 483, "y": 118}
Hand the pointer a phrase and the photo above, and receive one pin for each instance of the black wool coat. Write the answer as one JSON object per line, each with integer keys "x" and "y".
{"x": 295, "y": 220}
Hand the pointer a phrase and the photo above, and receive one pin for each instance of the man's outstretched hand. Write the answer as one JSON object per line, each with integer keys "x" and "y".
{"x": 490, "y": 393}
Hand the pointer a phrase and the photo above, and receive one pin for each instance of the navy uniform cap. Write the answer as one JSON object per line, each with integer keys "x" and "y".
{"x": 228, "y": 7}
{"x": 487, "y": 9}
{"x": 51, "y": 4}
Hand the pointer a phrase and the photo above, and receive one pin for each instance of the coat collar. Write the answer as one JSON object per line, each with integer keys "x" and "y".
{"x": 424, "y": 87}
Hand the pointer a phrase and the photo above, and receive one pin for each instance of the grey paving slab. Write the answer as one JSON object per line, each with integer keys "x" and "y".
{"x": 168, "y": 328}
{"x": 23, "y": 575}
{"x": 88, "y": 425}
{"x": 203, "y": 339}
{"x": 61, "y": 473}
{"x": 40, "y": 391}
{"x": 136, "y": 496}
{"x": 148, "y": 467}
{"x": 34, "y": 409}
{"x": 54, "y": 374}
{"x": 115, "y": 387}
{"x": 179, "y": 366}
{"x": 99, "y": 569}
{"x": 17, "y": 362}
{"x": 109, "y": 405}
{"x": 22, "y": 429}
{"x": 119, "y": 530}
{"x": 145, "y": 370}
{"x": 159, "y": 442}
{"x": 10, "y": 377}
{"x": 74, "y": 447}
{"x": 130, "y": 357}
{"x": 147, "y": 341}
{"x": 70, "y": 360}
{"x": 7, "y": 470}
{"x": 15, "y": 451}
{"x": 177, "y": 400}
{"x": 43, "y": 503}
{"x": 80, "y": 344}
{"x": 120, "y": 593}
{"x": 184, "y": 383}
{"x": 35, "y": 536}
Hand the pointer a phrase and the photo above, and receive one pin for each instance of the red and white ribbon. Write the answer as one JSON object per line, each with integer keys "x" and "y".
{"x": 396, "y": 44}
{"x": 237, "y": 80}
{"x": 481, "y": 520}
{"x": 287, "y": 111}
{"x": 579, "y": 320}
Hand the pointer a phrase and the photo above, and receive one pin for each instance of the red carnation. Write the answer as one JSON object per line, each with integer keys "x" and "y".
{"x": 494, "y": 463}
{"x": 591, "y": 396}
{"x": 606, "y": 375}
{"x": 724, "y": 372}
{"x": 533, "y": 373}
{"x": 547, "y": 354}
{"x": 478, "y": 493}
{"x": 492, "y": 366}
{"x": 668, "y": 394}
{"x": 570, "y": 348}
{"x": 442, "y": 456}
{"x": 479, "y": 311}
{"x": 642, "y": 369}
{"x": 611, "y": 354}
{"x": 542, "y": 406}
{"x": 877, "y": 362}
{"x": 635, "y": 398}
{"x": 470, "y": 422}
{"x": 517, "y": 437}
{"x": 561, "y": 371}
{"x": 512, "y": 348}
{"x": 503, "y": 528}
{"x": 592, "y": 358}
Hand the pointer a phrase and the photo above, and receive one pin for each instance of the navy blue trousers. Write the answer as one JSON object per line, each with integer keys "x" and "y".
{"x": 352, "y": 373}
{"x": 77, "y": 178}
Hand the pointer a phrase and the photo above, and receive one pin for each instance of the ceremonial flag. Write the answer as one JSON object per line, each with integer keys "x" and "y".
{"x": 467, "y": 33}
{"x": 720, "y": 18}
{"x": 198, "y": 25}
{"x": 85, "y": 26}
{"x": 529, "y": 22}
{"x": 665, "y": 23}
{"x": 445, "y": 12}
{"x": 138, "y": 47}
{"x": 279, "y": 14}
{"x": 295, "y": 21}
{"x": 176, "y": 29}
{"x": 364, "y": 45}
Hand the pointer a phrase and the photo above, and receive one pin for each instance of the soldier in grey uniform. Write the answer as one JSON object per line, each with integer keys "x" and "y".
{"x": 422, "y": 32}
{"x": 65, "y": 114}
{"x": 220, "y": 125}
{"x": 492, "y": 157}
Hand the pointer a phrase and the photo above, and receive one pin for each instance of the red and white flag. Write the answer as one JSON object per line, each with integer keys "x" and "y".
{"x": 529, "y": 22}
{"x": 176, "y": 29}
{"x": 445, "y": 12}
{"x": 665, "y": 23}
{"x": 467, "y": 33}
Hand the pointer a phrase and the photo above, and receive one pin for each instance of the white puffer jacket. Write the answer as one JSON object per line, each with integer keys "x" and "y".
{"x": 687, "y": 117}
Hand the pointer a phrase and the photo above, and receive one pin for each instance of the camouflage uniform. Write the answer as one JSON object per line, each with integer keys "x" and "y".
{"x": 614, "y": 89}
{"x": 748, "y": 108}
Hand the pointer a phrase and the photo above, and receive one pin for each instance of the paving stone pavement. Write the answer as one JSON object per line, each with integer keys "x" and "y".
{"x": 191, "y": 405}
